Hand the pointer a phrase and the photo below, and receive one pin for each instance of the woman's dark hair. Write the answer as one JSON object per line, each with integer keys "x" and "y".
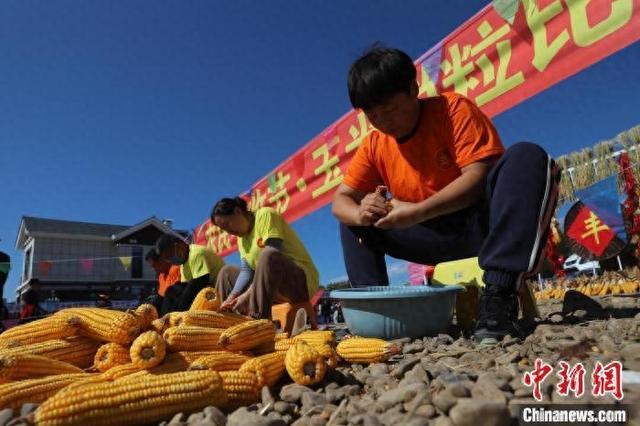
{"x": 226, "y": 206}
{"x": 30, "y": 296}
{"x": 378, "y": 75}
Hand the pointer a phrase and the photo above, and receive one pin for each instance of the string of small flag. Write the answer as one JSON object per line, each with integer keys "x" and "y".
{"x": 46, "y": 266}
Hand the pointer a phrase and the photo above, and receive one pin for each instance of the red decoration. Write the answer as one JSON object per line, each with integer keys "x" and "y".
{"x": 630, "y": 205}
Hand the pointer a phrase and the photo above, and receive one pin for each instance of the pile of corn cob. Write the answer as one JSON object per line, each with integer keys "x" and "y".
{"x": 610, "y": 283}
{"x": 139, "y": 368}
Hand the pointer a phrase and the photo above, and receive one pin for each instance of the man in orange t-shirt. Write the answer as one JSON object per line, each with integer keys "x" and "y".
{"x": 433, "y": 183}
{"x": 168, "y": 275}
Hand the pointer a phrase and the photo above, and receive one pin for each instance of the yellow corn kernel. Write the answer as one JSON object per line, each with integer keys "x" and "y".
{"x": 205, "y": 300}
{"x": 268, "y": 368}
{"x": 283, "y": 345}
{"x": 190, "y": 338}
{"x": 210, "y": 319}
{"x": 79, "y": 351}
{"x": 219, "y": 361}
{"x": 247, "y": 335}
{"x": 241, "y": 388}
{"x": 20, "y": 367}
{"x": 304, "y": 364}
{"x": 105, "y": 325}
{"x": 147, "y": 399}
{"x": 14, "y": 394}
{"x": 366, "y": 350}
{"x": 148, "y": 350}
{"x": 110, "y": 355}
{"x": 49, "y": 328}
{"x": 281, "y": 335}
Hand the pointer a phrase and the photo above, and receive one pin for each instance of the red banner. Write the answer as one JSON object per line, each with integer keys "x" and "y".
{"x": 496, "y": 59}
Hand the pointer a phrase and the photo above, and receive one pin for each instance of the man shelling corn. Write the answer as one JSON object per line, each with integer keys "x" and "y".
{"x": 199, "y": 267}
{"x": 455, "y": 192}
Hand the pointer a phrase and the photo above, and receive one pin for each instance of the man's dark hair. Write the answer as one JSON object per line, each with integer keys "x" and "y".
{"x": 226, "y": 206}
{"x": 152, "y": 255}
{"x": 166, "y": 241}
{"x": 378, "y": 75}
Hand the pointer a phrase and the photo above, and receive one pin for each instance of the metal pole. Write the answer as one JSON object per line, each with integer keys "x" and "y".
{"x": 619, "y": 263}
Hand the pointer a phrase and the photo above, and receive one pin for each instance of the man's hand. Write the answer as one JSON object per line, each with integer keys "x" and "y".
{"x": 230, "y": 303}
{"x": 401, "y": 215}
{"x": 373, "y": 207}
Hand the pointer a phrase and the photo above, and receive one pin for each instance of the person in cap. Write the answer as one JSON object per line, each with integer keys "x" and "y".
{"x": 199, "y": 268}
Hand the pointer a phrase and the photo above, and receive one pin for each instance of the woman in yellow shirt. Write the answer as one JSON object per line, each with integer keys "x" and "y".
{"x": 275, "y": 266}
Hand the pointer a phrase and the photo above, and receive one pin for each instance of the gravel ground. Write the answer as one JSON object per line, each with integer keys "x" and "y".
{"x": 450, "y": 380}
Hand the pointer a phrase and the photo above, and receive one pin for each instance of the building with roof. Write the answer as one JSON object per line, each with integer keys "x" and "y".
{"x": 74, "y": 262}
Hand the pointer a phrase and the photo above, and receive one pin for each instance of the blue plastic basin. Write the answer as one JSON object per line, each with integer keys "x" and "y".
{"x": 398, "y": 311}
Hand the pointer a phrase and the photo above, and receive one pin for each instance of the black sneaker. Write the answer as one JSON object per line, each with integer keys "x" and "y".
{"x": 497, "y": 318}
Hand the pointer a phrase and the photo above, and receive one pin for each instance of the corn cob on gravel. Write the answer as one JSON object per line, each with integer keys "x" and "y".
{"x": 247, "y": 335}
{"x": 149, "y": 398}
{"x": 304, "y": 364}
{"x": 148, "y": 350}
{"x": 366, "y": 350}
{"x": 268, "y": 368}
{"x": 241, "y": 388}
{"x": 110, "y": 355}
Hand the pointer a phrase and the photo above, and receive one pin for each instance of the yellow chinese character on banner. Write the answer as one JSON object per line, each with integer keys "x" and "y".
{"x": 458, "y": 71}
{"x": 280, "y": 195}
{"x": 357, "y": 132}
{"x": 217, "y": 239}
{"x": 594, "y": 226}
{"x": 258, "y": 199}
{"x": 332, "y": 173}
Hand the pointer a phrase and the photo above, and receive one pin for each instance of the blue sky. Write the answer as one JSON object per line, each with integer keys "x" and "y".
{"x": 115, "y": 111}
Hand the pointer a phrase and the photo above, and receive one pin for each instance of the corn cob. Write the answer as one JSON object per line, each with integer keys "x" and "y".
{"x": 49, "y": 328}
{"x": 79, "y": 351}
{"x": 247, "y": 335}
{"x": 304, "y": 364}
{"x": 205, "y": 300}
{"x": 106, "y": 325}
{"x": 283, "y": 345}
{"x": 110, "y": 355}
{"x": 148, "y": 399}
{"x": 148, "y": 350}
{"x": 328, "y": 354}
{"x": 20, "y": 367}
{"x": 267, "y": 368}
{"x": 219, "y": 361}
{"x": 14, "y": 394}
{"x": 173, "y": 363}
{"x": 366, "y": 350}
{"x": 210, "y": 319}
{"x": 241, "y": 388}
{"x": 189, "y": 338}
{"x": 318, "y": 337}
{"x": 146, "y": 314}
{"x": 160, "y": 325}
